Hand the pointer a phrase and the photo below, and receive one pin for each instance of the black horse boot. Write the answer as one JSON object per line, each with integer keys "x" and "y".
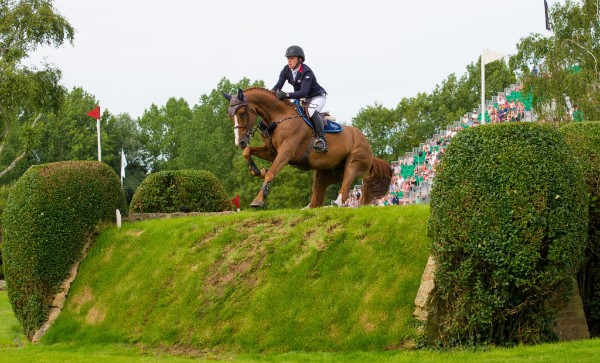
{"x": 320, "y": 145}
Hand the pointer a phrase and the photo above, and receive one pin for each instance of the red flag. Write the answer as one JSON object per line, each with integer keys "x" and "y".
{"x": 95, "y": 113}
{"x": 236, "y": 201}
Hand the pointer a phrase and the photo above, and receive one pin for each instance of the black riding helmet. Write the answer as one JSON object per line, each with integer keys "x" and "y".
{"x": 295, "y": 51}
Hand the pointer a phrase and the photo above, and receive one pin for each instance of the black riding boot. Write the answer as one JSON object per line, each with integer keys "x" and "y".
{"x": 320, "y": 145}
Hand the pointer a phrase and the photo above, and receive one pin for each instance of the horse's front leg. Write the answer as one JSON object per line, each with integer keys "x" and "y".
{"x": 283, "y": 157}
{"x": 262, "y": 152}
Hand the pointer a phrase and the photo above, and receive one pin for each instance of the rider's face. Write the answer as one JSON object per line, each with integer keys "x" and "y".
{"x": 293, "y": 62}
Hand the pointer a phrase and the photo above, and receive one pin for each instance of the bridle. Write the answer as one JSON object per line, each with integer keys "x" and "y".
{"x": 235, "y": 104}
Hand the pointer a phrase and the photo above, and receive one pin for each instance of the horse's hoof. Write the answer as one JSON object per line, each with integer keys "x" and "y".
{"x": 257, "y": 204}
{"x": 338, "y": 201}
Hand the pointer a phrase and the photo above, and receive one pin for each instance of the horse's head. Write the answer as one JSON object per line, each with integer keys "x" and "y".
{"x": 243, "y": 117}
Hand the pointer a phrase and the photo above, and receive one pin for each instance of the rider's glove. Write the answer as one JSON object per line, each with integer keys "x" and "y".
{"x": 280, "y": 94}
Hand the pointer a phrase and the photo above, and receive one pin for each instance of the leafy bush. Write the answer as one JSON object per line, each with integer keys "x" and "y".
{"x": 52, "y": 210}
{"x": 508, "y": 222}
{"x": 584, "y": 139}
{"x": 180, "y": 190}
{"x": 4, "y": 192}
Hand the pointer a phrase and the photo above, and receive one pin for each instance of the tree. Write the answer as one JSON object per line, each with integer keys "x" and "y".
{"x": 382, "y": 127}
{"x": 26, "y": 92}
{"x": 68, "y": 133}
{"x": 162, "y": 132}
{"x": 566, "y": 61}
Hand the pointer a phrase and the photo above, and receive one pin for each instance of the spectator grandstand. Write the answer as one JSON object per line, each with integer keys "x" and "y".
{"x": 414, "y": 172}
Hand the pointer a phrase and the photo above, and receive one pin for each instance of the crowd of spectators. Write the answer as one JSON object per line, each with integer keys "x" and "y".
{"x": 507, "y": 109}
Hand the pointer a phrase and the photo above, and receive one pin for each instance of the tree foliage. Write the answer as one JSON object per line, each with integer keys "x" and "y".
{"x": 566, "y": 61}
{"x": 26, "y": 91}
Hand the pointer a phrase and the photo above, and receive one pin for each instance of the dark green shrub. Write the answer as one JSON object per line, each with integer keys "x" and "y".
{"x": 4, "y": 192}
{"x": 52, "y": 210}
{"x": 508, "y": 222}
{"x": 584, "y": 139}
{"x": 180, "y": 190}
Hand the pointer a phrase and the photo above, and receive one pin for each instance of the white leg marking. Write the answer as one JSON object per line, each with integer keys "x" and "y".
{"x": 338, "y": 201}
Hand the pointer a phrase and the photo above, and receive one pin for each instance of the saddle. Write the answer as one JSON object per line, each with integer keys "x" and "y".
{"x": 329, "y": 122}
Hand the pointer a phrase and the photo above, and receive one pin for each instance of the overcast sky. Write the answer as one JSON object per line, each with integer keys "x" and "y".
{"x": 132, "y": 53}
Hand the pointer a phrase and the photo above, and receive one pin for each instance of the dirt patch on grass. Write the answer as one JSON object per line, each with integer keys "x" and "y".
{"x": 366, "y": 323}
{"x": 207, "y": 238}
{"x": 95, "y": 316}
{"x": 309, "y": 233}
{"x": 108, "y": 254}
{"x": 241, "y": 261}
{"x": 135, "y": 232}
{"x": 82, "y": 298}
{"x": 333, "y": 227}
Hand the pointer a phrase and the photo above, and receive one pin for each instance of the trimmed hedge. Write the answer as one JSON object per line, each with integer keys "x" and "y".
{"x": 584, "y": 139}
{"x": 508, "y": 222}
{"x": 180, "y": 191}
{"x": 4, "y": 192}
{"x": 52, "y": 210}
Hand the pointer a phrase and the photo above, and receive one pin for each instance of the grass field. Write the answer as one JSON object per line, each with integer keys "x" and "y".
{"x": 330, "y": 285}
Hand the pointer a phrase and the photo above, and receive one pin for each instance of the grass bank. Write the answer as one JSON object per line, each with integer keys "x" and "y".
{"x": 273, "y": 281}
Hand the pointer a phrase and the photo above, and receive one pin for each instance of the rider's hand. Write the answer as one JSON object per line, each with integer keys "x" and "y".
{"x": 280, "y": 94}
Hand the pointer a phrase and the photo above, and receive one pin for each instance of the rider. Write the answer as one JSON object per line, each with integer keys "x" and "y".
{"x": 305, "y": 85}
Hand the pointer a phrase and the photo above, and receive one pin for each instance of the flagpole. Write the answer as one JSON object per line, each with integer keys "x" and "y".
{"x": 98, "y": 129}
{"x": 483, "y": 87}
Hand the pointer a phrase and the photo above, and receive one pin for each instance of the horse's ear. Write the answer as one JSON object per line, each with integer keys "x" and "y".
{"x": 240, "y": 94}
{"x": 227, "y": 96}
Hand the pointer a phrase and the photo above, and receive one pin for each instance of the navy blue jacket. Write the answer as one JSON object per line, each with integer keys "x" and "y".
{"x": 305, "y": 86}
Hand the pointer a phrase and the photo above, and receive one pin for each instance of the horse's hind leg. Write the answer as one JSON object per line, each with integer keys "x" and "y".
{"x": 321, "y": 180}
{"x": 353, "y": 169}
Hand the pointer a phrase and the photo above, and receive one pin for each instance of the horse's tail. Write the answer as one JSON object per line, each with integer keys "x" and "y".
{"x": 377, "y": 183}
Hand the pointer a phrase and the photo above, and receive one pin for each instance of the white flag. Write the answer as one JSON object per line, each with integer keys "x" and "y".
{"x": 123, "y": 165}
{"x": 489, "y": 56}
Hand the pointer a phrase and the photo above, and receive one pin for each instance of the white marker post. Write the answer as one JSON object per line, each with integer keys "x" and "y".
{"x": 99, "y": 147}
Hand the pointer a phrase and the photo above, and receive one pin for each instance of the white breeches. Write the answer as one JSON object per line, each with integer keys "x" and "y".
{"x": 316, "y": 103}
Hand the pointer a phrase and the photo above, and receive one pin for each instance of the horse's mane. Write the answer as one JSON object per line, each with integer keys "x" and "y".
{"x": 261, "y": 89}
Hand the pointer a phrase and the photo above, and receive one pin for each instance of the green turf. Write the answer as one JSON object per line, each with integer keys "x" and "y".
{"x": 580, "y": 351}
{"x": 11, "y": 333}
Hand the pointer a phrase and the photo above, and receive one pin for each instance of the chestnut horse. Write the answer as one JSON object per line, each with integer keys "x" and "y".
{"x": 288, "y": 140}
